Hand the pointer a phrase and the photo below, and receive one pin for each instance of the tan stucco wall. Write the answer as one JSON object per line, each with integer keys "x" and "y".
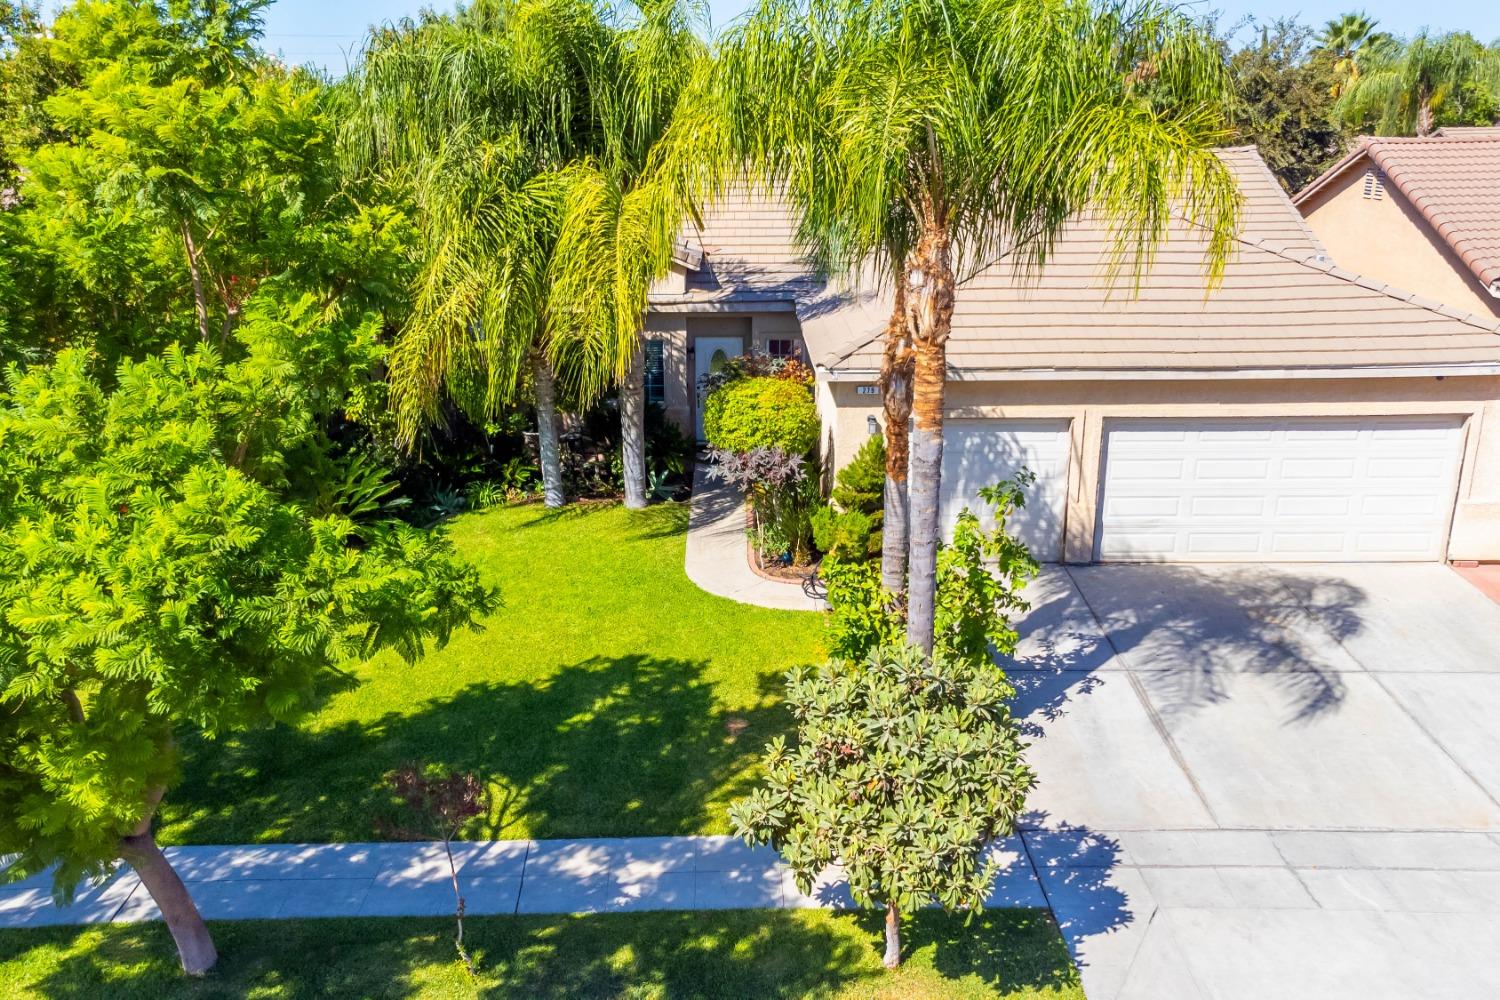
{"x": 1090, "y": 404}
{"x": 1388, "y": 239}
{"x": 679, "y": 332}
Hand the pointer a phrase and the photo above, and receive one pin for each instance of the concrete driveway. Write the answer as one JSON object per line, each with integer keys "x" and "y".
{"x": 1267, "y": 781}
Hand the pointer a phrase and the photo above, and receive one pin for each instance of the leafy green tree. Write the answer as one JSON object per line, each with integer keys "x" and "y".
{"x": 1283, "y": 103}
{"x": 977, "y": 128}
{"x": 1430, "y": 81}
{"x": 29, "y": 73}
{"x": 158, "y": 575}
{"x": 905, "y": 768}
{"x": 179, "y": 176}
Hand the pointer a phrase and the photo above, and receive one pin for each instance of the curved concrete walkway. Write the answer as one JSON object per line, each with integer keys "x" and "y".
{"x": 716, "y": 550}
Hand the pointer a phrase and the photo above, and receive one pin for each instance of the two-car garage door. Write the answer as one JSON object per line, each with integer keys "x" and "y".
{"x": 1274, "y": 490}
{"x": 1296, "y": 489}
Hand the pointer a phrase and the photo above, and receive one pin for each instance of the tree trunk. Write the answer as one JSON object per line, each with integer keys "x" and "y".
{"x": 548, "y": 444}
{"x": 195, "y": 948}
{"x": 200, "y": 298}
{"x": 1425, "y": 116}
{"x": 892, "y": 937}
{"x": 633, "y": 428}
{"x": 895, "y": 387}
{"x": 930, "y": 298}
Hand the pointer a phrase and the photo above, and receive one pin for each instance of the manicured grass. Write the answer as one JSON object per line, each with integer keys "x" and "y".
{"x": 1004, "y": 954}
{"x": 609, "y": 697}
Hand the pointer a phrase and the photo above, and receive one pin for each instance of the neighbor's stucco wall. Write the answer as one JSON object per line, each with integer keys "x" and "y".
{"x": 1388, "y": 239}
{"x": 1089, "y": 405}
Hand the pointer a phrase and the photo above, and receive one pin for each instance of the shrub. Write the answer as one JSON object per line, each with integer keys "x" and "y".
{"x": 848, "y": 526}
{"x": 761, "y": 413}
{"x": 860, "y": 485}
{"x": 755, "y": 365}
{"x": 980, "y": 576}
{"x": 905, "y": 768}
{"x": 845, "y": 536}
{"x": 782, "y": 497}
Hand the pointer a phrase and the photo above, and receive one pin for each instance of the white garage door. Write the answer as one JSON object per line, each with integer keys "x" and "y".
{"x": 1373, "y": 489}
{"x": 980, "y": 453}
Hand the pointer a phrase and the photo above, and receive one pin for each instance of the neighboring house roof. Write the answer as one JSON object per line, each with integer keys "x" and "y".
{"x": 1281, "y": 305}
{"x": 1452, "y": 178}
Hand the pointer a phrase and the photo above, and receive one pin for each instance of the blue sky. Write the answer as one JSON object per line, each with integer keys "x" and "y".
{"x": 327, "y": 32}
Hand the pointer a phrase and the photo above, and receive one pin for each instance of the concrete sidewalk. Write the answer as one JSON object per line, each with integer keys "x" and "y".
{"x": 717, "y": 560}
{"x": 284, "y": 881}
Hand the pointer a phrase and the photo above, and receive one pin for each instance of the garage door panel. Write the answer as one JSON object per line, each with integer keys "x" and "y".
{"x": 1301, "y": 488}
{"x": 980, "y": 453}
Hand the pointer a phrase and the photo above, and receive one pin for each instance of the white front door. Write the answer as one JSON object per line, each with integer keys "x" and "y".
{"x": 1279, "y": 490}
{"x": 710, "y": 353}
{"x": 980, "y": 453}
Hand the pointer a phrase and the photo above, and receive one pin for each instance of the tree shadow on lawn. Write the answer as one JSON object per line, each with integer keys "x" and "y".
{"x": 717, "y": 954}
{"x": 625, "y": 746}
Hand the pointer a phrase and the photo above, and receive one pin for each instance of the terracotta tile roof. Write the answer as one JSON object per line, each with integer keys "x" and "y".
{"x": 1452, "y": 178}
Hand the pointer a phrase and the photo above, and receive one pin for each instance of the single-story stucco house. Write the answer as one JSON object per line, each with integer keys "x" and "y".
{"x": 1300, "y": 412}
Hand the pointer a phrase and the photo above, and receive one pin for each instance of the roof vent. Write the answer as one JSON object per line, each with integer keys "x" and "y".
{"x": 1374, "y": 185}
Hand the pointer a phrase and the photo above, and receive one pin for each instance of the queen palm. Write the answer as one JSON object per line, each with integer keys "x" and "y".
{"x": 626, "y": 203}
{"x": 1353, "y": 43}
{"x": 523, "y": 128}
{"x": 1407, "y": 91}
{"x": 923, "y": 140}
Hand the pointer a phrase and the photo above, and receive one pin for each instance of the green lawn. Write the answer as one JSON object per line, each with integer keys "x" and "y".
{"x": 1008, "y": 954}
{"x": 607, "y": 698}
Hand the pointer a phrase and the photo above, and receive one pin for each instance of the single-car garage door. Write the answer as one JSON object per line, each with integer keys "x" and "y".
{"x": 980, "y": 453}
{"x": 1296, "y": 489}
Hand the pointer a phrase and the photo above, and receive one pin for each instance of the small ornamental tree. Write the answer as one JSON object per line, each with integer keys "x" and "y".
{"x": 158, "y": 575}
{"x": 904, "y": 769}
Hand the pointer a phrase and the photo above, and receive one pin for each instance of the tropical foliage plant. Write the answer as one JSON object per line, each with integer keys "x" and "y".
{"x": 905, "y": 767}
{"x": 782, "y": 497}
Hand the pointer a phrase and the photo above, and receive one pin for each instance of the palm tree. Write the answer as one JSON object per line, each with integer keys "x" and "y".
{"x": 1352, "y": 42}
{"x": 626, "y": 205}
{"x": 524, "y": 130}
{"x": 475, "y": 115}
{"x": 923, "y": 140}
{"x": 1405, "y": 92}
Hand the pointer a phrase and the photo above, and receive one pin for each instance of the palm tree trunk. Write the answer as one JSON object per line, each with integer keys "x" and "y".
{"x": 549, "y": 444}
{"x": 892, "y": 937}
{"x": 895, "y": 386}
{"x": 633, "y": 428}
{"x": 1425, "y": 116}
{"x": 930, "y": 293}
{"x": 195, "y": 946}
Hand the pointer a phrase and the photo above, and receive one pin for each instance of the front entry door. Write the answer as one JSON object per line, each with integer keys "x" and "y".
{"x": 710, "y": 354}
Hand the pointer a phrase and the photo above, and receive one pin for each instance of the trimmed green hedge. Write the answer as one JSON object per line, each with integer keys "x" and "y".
{"x": 761, "y": 413}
